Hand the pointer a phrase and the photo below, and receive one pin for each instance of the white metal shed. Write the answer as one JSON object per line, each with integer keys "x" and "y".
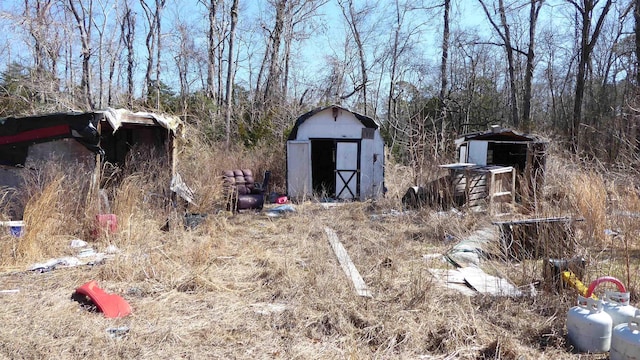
{"x": 335, "y": 153}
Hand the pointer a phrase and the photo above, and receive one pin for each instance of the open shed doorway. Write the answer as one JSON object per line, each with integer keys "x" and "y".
{"x": 507, "y": 154}
{"x": 136, "y": 148}
{"x": 149, "y": 139}
{"x": 323, "y": 158}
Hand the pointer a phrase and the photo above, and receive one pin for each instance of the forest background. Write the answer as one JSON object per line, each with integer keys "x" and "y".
{"x": 241, "y": 72}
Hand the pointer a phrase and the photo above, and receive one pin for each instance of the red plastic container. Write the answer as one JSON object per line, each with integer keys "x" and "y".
{"x": 111, "y": 305}
{"x": 106, "y": 224}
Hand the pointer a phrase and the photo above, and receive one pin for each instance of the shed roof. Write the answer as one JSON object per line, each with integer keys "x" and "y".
{"x": 365, "y": 120}
{"x": 499, "y": 134}
{"x": 81, "y": 126}
{"x": 19, "y": 131}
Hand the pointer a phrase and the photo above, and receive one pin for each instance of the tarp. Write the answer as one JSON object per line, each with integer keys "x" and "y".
{"x": 116, "y": 117}
{"x": 16, "y": 132}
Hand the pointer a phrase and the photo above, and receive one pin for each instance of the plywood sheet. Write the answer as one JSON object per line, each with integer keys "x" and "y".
{"x": 488, "y": 284}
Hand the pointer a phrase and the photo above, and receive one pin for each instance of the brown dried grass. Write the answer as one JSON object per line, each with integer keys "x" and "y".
{"x": 252, "y": 286}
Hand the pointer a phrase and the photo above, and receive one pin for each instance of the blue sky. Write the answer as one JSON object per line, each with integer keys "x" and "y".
{"x": 311, "y": 54}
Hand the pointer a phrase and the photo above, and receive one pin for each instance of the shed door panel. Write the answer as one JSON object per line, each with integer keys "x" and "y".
{"x": 478, "y": 152}
{"x": 298, "y": 168}
{"x": 346, "y": 170}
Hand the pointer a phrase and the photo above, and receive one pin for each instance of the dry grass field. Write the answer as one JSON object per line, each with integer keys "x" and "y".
{"x": 250, "y": 286}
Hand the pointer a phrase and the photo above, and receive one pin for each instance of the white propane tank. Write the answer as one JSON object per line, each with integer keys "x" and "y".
{"x": 616, "y": 304}
{"x": 625, "y": 340}
{"x": 589, "y": 327}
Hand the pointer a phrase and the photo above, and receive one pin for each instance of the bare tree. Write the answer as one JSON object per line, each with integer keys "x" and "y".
{"x": 36, "y": 19}
{"x": 273, "y": 48}
{"x": 127, "y": 34}
{"x": 272, "y": 81}
{"x": 402, "y": 43}
{"x": 504, "y": 33}
{"x": 396, "y": 49}
{"x": 588, "y": 40}
{"x": 230, "y": 72}
{"x": 534, "y": 11}
{"x": 212, "y": 45}
{"x": 298, "y": 14}
{"x": 40, "y": 22}
{"x": 445, "y": 53}
{"x": 183, "y": 62}
{"x": 104, "y": 47}
{"x": 153, "y": 44}
{"x": 355, "y": 21}
{"x": 475, "y": 99}
{"x": 83, "y": 13}
{"x": 443, "y": 72}
{"x": 159, "y": 6}
{"x": 636, "y": 17}
{"x": 633, "y": 127}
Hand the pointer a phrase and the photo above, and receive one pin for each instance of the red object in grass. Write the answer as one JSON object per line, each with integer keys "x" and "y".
{"x": 111, "y": 305}
{"x": 106, "y": 223}
{"x": 281, "y": 200}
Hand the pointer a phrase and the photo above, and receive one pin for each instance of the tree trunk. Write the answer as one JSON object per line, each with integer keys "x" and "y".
{"x": 127, "y": 29}
{"x": 587, "y": 43}
{"x": 633, "y": 127}
{"x": 230, "y": 72}
{"x": 351, "y": 17}
{"x": 159, "y": 7}
{"x": 101, "y": 56}
{"x": 528, "y": 76}
{"x": 510, "y": 63}
{"x": 443, "y": 74}
{"x": 445, "y": 53}
{"x": 288, "y": 40}
{"x": 212, "y": 40}
{"x": 150, "y": 43}
{"x": 37, "y": 24}
{"x": 636, "y": 16}
{"x": 84, "y": 27}
{"x": 394, "y": 63}
{"x": 505, "y": 35}
{"x": 276, "y": 36}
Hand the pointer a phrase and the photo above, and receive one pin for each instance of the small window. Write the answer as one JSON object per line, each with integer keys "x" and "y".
{"x": 368, "y": 133}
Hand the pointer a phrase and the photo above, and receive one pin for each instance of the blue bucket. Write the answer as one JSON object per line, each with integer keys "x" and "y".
{"x": 15, "y": 227}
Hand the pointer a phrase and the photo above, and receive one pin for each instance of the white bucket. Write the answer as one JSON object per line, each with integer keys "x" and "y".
{"x": 589, "y": 327}
{"x": 625, "y": 340}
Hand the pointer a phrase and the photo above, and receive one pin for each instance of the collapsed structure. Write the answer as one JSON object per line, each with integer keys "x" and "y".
{"x": 83, "y": 140}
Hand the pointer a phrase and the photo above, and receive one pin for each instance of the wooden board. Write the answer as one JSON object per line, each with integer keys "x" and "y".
{"x": 347, "y": 265}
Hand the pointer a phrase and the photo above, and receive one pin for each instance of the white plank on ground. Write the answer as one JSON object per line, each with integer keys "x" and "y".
{"x": 485, "y": 283}
{"x": 347, "y": 265}
{"x": 452, "y": 279}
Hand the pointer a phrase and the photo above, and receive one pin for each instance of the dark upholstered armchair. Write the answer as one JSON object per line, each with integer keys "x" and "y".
{"x": 242, "y": 190}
